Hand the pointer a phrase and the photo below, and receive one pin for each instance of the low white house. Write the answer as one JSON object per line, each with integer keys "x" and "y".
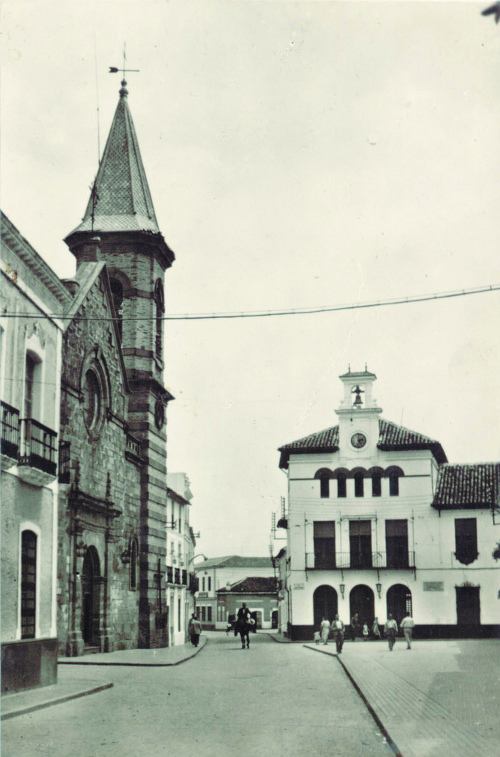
{"x": 180, "y": 550}
{"x": 378, "y": 522}
{"x": 220, "y": 573}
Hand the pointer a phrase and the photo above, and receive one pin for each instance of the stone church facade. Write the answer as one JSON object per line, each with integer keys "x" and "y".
{"x": 113, "y": 492}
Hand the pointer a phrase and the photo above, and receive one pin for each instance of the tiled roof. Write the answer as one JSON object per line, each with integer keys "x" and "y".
{"x": 235, "y": 561}
{"x": 251, "y": 586}
{"x": 123, "y": 200}
{"x": 391, "y": 437}
{"x": 467, "y": 486}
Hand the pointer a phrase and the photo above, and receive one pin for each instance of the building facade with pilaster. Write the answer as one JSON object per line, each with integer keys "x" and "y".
{"x": 378, "y": 522}
{"x": 33, "y": 299}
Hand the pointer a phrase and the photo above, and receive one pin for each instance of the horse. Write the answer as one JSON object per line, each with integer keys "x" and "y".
{"x": 243, "y": 626}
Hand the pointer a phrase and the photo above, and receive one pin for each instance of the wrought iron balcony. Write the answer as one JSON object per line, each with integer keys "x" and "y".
{"x": 170, "y": 574}
{"x": 177, "y": 578}
{"x": 38, "y": 453}
{"x": 10, "y": 435}
{"x": 367, "y": 561}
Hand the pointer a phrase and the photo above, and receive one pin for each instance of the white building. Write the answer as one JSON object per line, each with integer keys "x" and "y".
{"x": 30, "y": 386}
{"x": 378, "y": 522}
{"x": 221, "y": 573}
{"x": 180, "y": 551}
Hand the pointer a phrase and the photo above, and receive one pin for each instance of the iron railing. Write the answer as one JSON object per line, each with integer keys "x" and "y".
{"x": 10, "y": 431}
{"x": 38, "y": 446}
{"x": 370, "y": 560}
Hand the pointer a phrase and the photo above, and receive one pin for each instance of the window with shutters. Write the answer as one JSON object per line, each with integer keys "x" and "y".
{"x": 466, "y": 540}
{"x": 28, "y": 584}
{"x": 360, "y": 542}
{"x": 324, "y": 544}
{"x": 396, "y": 542}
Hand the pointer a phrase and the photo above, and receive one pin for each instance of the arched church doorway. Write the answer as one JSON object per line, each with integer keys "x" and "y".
{"x": 91, "y": 610}
{"x": 362, "y": 601}
{"x": 325, "y": 604}
{"x": 399, "y": 602}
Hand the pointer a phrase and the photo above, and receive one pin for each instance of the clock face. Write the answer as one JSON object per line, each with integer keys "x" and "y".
{"x": 358, "y": 440}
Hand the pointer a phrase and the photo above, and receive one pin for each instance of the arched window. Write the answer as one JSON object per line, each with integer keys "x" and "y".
{"x": 117, "y": 292}
{"x": 91, "y": 399}
{"x": 324, "y": 475}
{"x": 133, "y": 564}
{"x": 393, "y": 474}
{"x": 160, "y": 309}
{"x": 359, "y": 490}
{"x": 376, "y": 485}
{"x": 28, "y": 584}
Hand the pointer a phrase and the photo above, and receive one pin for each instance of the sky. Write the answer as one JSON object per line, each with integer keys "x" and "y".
{"x": 299, "y": 154}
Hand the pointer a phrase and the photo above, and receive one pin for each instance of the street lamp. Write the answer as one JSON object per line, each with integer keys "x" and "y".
{"x": 379, "y": 590}
{"x": 342, "y": 589}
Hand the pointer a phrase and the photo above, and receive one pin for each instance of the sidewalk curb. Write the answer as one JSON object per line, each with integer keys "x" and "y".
{"x": 383, "y": 730}
{"x": 59, "y": 700}
{"x": 104, "y": 663}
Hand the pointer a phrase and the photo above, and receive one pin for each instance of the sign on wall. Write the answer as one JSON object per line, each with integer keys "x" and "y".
{"x": 433, "y": 585}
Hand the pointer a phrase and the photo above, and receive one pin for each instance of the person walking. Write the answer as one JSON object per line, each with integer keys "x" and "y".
{"x": 376, "y": 629}
{"x": 243, "y": 623}
{"x": 338, "y": 633}
{"x": 391, "y": 629}
{"x": 408, "y": 624}
{"x": 355, "y": 627}
{"x": 194, "y": 630}
{"x": 325, "y": 630}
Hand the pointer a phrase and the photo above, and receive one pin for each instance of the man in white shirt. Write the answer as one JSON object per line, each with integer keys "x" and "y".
{"x": 338, "y": 633}
{"x": 408, "y": 624}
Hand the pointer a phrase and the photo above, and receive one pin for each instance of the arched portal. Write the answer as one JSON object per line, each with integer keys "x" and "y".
{"x": 362, "y": 602}
{"x": 399, "y": 602}
{"x": 325, "y": 603}
{"x": 91, "y": 610}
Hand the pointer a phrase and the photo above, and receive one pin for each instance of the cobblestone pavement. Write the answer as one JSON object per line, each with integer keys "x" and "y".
{"x": 274, "y": 699}
{"x": 439, "y": 698}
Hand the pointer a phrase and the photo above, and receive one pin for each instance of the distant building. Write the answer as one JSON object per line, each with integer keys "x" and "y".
{"x": 31, "y": 343}
{"x": 221, "y": 572}
{"x": 260, "y": 596}
{"x": 378, "y": 522}
{"x": 180, "y": 552}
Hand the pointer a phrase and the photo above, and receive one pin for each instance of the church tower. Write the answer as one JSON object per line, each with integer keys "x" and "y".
{"x": 120, "y": 229}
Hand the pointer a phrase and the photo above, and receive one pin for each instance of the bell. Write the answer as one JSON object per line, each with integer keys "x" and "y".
{"x": 358, "y": 401}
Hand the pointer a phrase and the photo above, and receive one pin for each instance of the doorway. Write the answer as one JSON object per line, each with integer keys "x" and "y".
{"x": 362, "y": 601}
{"x": 399, "y": 602}
{"x": 325, "y": 604}
{"x": 91, "y": 610}
{"x": 468, "y": 610}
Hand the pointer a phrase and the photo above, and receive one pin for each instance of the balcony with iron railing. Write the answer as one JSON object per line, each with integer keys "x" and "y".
{"x": 177, "y": 575}
{"x": 10, "y": 435}
{"x": 170, "y": 574}
{"x": 364, "y": 561}
{"x": 38, "y": 453}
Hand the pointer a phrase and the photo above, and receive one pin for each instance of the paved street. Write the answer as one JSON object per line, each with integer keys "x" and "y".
{"x": 271, "y": 699}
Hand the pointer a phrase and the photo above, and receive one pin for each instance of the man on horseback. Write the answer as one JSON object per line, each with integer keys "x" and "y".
{"x": 244, "y": 621}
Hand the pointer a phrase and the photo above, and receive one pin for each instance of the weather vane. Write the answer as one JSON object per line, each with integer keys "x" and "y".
{"x": 114, "y": 70}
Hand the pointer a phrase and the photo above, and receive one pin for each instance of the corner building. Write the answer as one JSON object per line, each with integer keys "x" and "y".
{"x": 113, "y": 507}
{"x": 378, "y": 522}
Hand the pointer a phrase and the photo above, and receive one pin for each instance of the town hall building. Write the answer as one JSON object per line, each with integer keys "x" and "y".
{"x": 379, "y": 522}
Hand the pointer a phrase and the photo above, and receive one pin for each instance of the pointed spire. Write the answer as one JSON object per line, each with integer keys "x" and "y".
{"x": 120, "y": 199}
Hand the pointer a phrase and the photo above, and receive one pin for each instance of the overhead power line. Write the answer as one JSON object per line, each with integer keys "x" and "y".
{"x": 268, "y": 313}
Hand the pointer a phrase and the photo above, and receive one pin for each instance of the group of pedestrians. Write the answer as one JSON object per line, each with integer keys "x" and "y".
{"x": 337, "y": 628}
